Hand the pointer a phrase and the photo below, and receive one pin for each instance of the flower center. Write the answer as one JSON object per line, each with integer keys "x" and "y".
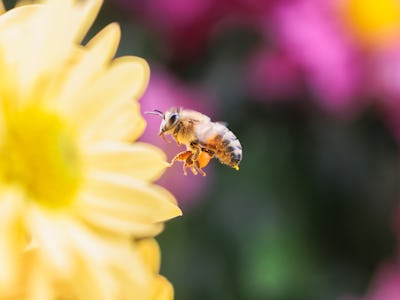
{"x": 376, "y": 22}
{"x": 39, "y": 154}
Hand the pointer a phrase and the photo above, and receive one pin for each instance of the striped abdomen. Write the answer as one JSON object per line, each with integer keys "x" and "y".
{"x": 219, "y": 140}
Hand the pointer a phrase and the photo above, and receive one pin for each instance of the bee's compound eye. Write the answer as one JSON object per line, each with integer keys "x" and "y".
{"x": 173, "y": 119}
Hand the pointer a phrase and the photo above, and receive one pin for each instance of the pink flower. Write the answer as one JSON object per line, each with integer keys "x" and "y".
{"x": 311, "y": 35}
{"x": 163, "y": 92}
{"x": 386, "y": 284}
{"x": 170, "y": 15}
{"x": 273, "y": 76}
{"x": 384, "y": 78}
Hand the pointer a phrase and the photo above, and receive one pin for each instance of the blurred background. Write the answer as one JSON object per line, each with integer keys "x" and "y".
{"x": 312, "y": 90}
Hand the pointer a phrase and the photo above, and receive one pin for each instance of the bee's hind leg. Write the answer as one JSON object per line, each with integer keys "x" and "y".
{"x": 192, "y": 168}
{"x": 191, "y": 163}
{"x": 202, "y": 161}
{"x": 191, "y": 160}
{"x": 198, "y": 168}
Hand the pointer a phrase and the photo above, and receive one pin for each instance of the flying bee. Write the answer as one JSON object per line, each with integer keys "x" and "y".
{"x": 203, "y": 139}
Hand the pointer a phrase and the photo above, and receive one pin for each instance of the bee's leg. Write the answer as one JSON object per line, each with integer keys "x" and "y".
{"x": 202, "y": 161}
{"x": 181, "y": 156}
{"x": 191, "y": 163}
{"x": 190, "y": 158}
{"x": 184, "y": 169}
{"x": 194, "y": 160}
{"x": 186, "y": 157}
{"x": 192, "y": 168}
{"x": 199, "y": 169}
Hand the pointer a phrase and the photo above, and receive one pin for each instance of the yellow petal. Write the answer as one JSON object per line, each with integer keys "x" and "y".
{"x": 48, "y": 231}
{"x": 14, "y": 23}
{"x": 84, "y": 14}
{"x": 150, "y": 253}
{"x": 10, "y": 238}
{"x": 103, "y": 260}
{"x": 113, "y": 218}
{"x": 39, "y": 282}
{"x": 104, "y": 44}
{"x": 122, "y": 123}
{"x": 46, "y": 27}
{"x": 60, "y": 24}
{"x": 147, "y": 202}
{"x": 107, "y": 104}
{"x": 92, "y": 61}
{"x": 139, "y": 160}
{"x": 92, "y": 264}
{"x": 17, "y": 20}
{"x": 163, "y": 289}
{"x": 49, "y": 33}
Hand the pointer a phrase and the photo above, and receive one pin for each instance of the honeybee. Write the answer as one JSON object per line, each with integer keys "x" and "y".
{"x": 203, "y": 139}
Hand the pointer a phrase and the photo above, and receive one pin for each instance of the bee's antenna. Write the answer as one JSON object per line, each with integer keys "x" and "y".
{"x": 155, "y": 112}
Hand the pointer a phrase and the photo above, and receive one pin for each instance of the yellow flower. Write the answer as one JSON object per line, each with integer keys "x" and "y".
{"x": 76, "y": 195}
{"x": 374, "y": 22}
{"x": 150, "y": 253}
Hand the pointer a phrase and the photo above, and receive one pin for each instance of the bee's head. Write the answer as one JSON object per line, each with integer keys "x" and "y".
{"x": 169, "y": 119}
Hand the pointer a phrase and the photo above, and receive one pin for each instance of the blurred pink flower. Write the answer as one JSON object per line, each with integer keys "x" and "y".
{"x": 163, "y": 92}
{"x": 386, "y": 75}
{"x": 386, "y": 283}
{"x": 272, "y": 76}
{"x": 384, "y": 78}
{"x": 309, "y": 32}
{"x": 170, "y": 15}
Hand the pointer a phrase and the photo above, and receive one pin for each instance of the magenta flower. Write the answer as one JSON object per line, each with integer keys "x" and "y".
{"x": 384, "y": 81}
{"x": 273, "y": 76}
{"x": 386, "y": 284}
{"x": 311, "y": 35}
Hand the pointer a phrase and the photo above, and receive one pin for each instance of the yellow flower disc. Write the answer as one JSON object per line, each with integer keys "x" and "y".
{"x": 39, "y": 154}
{"x": 374, "y": 22}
